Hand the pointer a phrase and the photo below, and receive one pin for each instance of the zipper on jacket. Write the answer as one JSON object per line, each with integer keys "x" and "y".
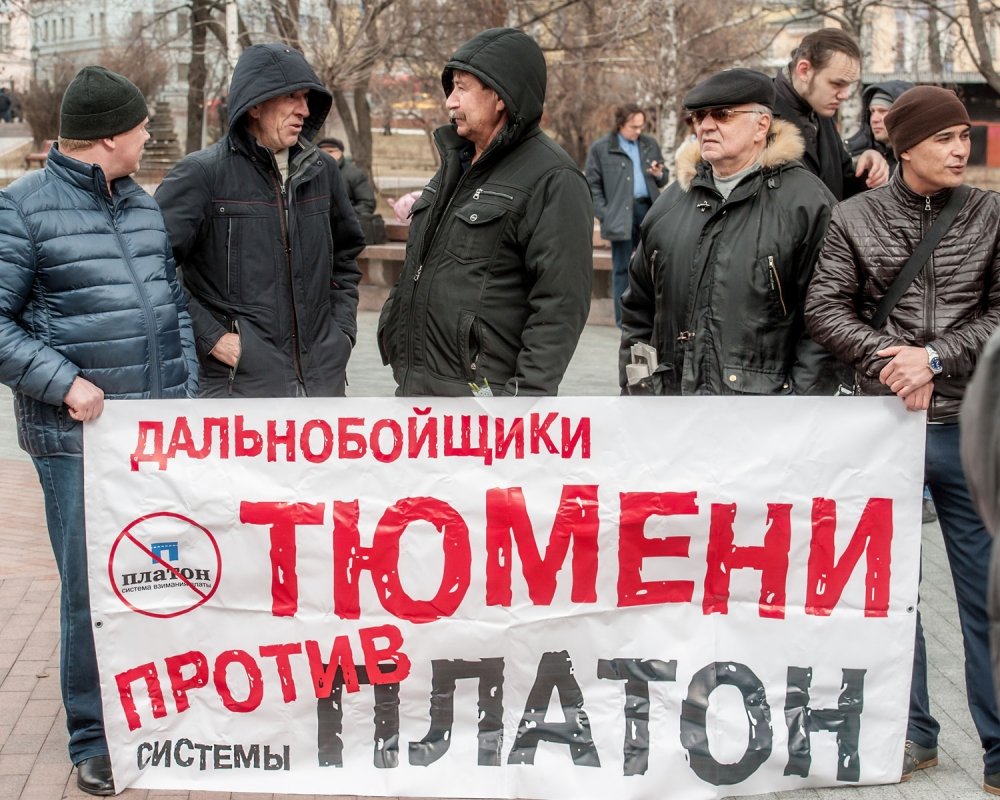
{"x": 232, "y": 370}
{"x": 283, "y": 224}
{"x": 772, "y": 271}
{"x": 155, "y": 388}
{"x": 482, "y": 191}
{"x": 928, "y": 270}
{"x": 229, "y": 257}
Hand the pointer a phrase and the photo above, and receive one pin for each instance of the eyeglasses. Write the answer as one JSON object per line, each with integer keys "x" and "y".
{"x": 720, "y": 115}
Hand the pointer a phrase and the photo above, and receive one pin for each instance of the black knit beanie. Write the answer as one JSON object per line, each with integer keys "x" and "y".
{"x": 100, "y": 103}
{"x": 919, "y": 113}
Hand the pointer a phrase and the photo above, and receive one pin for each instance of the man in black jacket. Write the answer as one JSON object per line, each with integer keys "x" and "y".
{"x": 818, "y": 79}
{"x": 495, "y": 289}
{"x": 876, "y": 100}
{"x": 359, "y": 188}
{"x": 727, "y": 251}
{"x": 265, "y": 239}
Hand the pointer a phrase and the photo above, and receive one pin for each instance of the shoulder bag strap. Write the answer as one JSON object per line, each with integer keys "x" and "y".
{"x": 920, "y": 255}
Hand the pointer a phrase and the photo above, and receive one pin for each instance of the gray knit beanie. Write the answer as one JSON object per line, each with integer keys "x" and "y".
{"x": 100, "y": 103}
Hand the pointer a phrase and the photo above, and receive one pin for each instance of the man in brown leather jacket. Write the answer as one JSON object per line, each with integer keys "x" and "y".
{"x": 925, "y": 354}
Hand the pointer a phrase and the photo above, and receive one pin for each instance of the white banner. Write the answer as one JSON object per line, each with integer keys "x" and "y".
{"x": 511, "y": 598}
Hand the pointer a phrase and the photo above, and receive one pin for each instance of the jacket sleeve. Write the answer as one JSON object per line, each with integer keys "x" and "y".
{"x": 186, "y": 326}
{"x": 595, "y": 179}
{"x": 559, "y": 262}
{"x": 831, "y": 304}
{"x": 27, "y": 364}
{"x": 814, "y": 369}
{"x": 638, "y": 310}
{"x": 348, "y": 241}
{"x": 981, "y": 436}
{"x": 184, "y": 197}
{"x": 961, "y": 346}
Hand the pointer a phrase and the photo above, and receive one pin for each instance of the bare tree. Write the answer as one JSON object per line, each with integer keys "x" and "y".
{"x": 975, "y": 24}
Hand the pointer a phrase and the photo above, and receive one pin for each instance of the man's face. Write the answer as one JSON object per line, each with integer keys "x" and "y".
{"x": 633, "y": 127}
{"x": 938, "y": 162}
{"x": 825, "y": 89}
{"x": 877, "y": 117}
{"x": 731, "y": 138}
{"x": 477, "y": 111}
{"x": 335, "y": 152}
{"x": 128, "y": 151}
{"x": 277, "y": 123}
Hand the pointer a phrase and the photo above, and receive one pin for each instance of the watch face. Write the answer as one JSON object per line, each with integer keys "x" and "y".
{"x": 935, "y": 365}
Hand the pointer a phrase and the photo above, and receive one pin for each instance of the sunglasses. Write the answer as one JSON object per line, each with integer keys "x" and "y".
{"x": 720, "y": 115}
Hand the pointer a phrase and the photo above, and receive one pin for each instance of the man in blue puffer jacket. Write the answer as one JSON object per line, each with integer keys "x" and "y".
{"x": 90, "y": 308}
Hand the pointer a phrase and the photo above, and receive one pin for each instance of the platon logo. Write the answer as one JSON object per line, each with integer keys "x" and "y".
{"x": 164, "y": 565}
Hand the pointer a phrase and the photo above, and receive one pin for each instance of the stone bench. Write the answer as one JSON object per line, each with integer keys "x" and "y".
{"x": 381, "y": 265}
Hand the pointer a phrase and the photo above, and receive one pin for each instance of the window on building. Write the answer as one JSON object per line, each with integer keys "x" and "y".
{"x": 5, "y": 44}
{"x": 92, "y": 26}
{"x": 182, "y": 73}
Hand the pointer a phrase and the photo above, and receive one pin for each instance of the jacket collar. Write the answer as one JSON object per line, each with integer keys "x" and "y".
{"x": 784, "y": 145}
{"x": 89, "y": 177}
{"x": 902, "y": 193}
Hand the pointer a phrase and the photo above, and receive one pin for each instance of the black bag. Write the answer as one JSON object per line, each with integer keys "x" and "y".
{"x": 373, "y": 227}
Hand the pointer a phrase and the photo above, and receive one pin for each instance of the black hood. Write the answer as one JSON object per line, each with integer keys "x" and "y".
{"x": 864, "y": 139}
{"x": 269, "y": 70}
{"x": 511, "y": 63}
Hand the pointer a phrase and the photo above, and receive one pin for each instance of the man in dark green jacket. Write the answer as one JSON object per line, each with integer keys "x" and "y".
{"x": 495, "y": 289}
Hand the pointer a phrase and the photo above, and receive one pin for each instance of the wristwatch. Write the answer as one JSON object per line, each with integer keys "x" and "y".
{"x": 933, "y": 360}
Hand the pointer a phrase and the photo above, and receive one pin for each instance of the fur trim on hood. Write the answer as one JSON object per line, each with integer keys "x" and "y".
{"x": 784, "y": 144}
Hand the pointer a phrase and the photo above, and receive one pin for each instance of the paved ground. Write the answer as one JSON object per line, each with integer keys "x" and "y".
{"x": 33, "y": 763}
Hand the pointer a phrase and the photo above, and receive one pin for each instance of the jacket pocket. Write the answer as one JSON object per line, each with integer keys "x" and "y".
{"x": 479, "y": 227}
{"x": 739, "y": 379}
{"x": 469, "y": 345}
{"x": 777, "y": 290}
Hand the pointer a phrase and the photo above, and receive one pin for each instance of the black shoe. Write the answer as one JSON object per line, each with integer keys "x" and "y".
{"x": 916, "y": 756}
{"x": 991, "y": 782}
{"x": 93, "y": 776}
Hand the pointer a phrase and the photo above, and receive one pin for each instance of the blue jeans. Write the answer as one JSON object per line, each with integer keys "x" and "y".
{"x": 62, "y": 484}
{"x": 968, "y": 546}
{"x": 621, "y": 254}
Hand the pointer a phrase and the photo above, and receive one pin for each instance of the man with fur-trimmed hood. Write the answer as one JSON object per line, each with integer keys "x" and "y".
{"x": 727, "y": 251}
{"x": 495, "y": 289}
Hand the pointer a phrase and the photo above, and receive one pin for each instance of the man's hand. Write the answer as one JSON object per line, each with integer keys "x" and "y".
{"x": 656, "y": 169}
{"x": 227, "y": 349}
{"x": 907, "y": 371}
{"x": 919, "y": 399}
{"x": 85, "y": 400}
{"x": 872, "y": 162}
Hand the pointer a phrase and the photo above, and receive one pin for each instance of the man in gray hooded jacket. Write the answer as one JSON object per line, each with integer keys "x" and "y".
{"x": 495, "y": 288}
{"x": 265, "y": 239}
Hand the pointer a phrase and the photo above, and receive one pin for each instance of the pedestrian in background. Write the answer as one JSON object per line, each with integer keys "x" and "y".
{"x": 625, "y": 171}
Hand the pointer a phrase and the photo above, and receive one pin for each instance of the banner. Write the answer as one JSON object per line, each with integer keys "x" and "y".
{"x": 505, "y": 598}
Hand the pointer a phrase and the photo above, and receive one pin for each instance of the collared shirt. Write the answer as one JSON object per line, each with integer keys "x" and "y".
{"x": 638, "y": 176}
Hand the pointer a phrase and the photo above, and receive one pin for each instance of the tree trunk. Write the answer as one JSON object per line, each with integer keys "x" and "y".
{"x": 197, "y": 75}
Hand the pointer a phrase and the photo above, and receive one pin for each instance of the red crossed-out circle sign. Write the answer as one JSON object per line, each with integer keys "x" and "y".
{"x": 164, "y": 565}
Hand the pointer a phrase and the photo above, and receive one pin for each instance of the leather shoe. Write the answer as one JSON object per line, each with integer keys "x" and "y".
{"x": 916, "y": 756}
{"x": 93, "y": 776}
{"x": 991, "y": 782}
